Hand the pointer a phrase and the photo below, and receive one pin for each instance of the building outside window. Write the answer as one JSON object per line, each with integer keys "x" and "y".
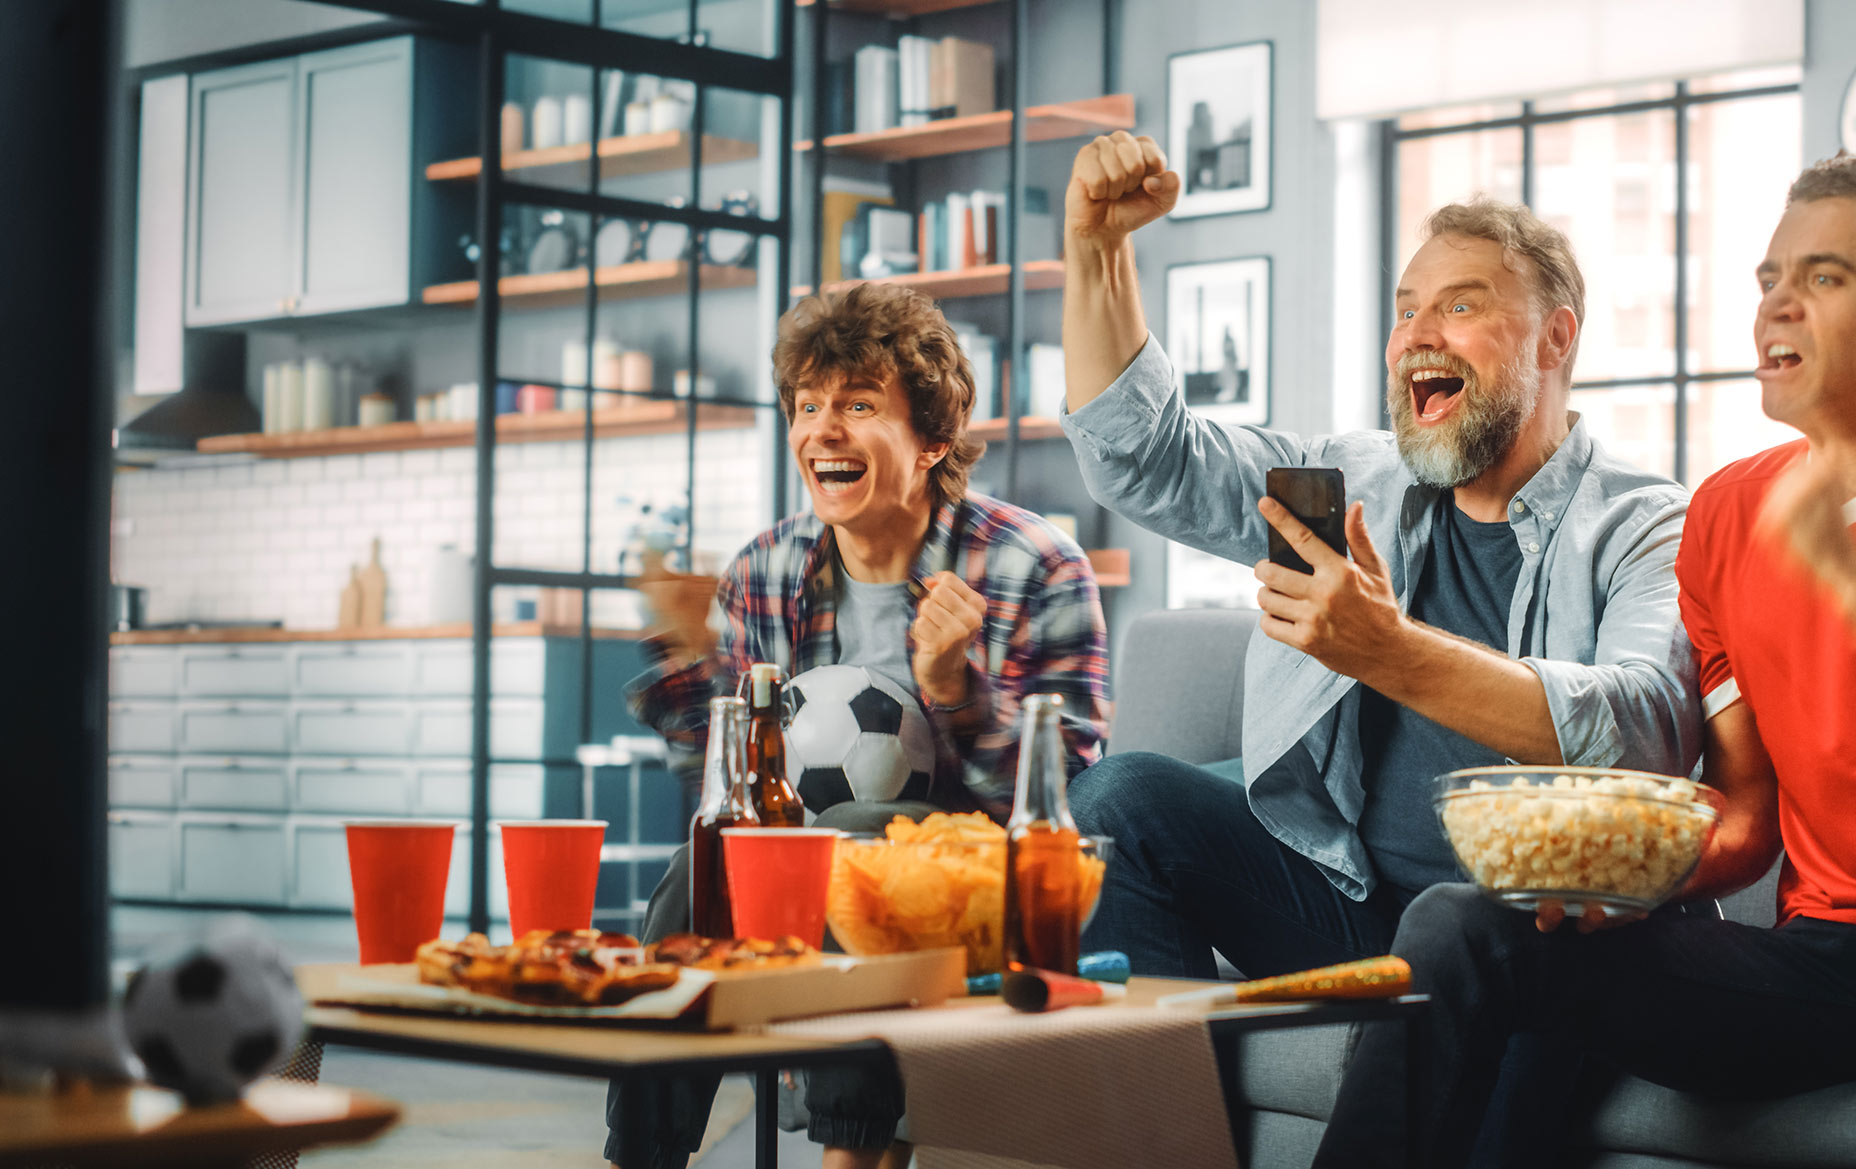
{"x": 1665, "y": 368}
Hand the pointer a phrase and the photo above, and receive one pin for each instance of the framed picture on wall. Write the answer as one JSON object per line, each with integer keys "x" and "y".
{"x": 1218, "y": 335}
{"x": 1218, "y": 123}
{"x": 1199, "y": 580}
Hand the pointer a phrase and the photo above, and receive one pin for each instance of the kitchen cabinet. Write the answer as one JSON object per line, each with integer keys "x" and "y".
{"x": 301, "y": 196}
{"x": 232, "y": 860}
{"x": 141, "y": 856}
{"x": 160, "y": 234}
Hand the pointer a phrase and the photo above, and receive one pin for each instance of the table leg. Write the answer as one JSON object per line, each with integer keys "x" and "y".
{"x": 766, "y": 1119}
{"x": 1417, "y": 1088}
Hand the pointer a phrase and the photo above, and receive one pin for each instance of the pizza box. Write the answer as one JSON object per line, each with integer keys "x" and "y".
{"x": 703, "y": 999}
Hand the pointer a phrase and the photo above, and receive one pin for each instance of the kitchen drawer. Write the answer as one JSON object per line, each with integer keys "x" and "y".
{"x": 141, "y": 856}
{"x": 443, "y": 728}
{"x": 234, "y": 783}
{"x": 340, "y": 669}
{"x": 517, "y": 667}
{"x": 361, "y": 786}
{"x": 234, "y": 671}
{"x": 319, "y": 865}
{"x": 145, "y": 671}
{"x": 457, "y": 886}
{"x": 443, "y": 789}
{"x": 233, "y": 728}
{"x": 351, "y": 728}
{"x": 142, "y": 727}
{"x": 141, "y": 781}
{"x": 237, "y": 860}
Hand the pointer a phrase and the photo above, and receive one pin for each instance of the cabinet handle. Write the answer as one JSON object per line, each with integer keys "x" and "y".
{"x": 347, "y": 765}
{"x": 232, "y": 653}
{"x": 231, "y": 764}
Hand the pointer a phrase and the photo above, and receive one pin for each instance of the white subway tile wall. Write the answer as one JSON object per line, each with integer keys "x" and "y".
{"x": 275, "y": 539}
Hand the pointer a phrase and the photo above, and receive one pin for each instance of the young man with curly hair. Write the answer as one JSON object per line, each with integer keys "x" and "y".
{"x": 877, "y": 394}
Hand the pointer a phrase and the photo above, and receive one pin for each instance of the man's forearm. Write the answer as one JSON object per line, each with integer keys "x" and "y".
{"x": 1103, "y": 325}
{"x": 1482, "y": 695}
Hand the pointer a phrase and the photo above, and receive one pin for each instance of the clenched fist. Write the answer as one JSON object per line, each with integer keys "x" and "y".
{"x": 1120, "y": 183}
{"x": 947, "y": 618}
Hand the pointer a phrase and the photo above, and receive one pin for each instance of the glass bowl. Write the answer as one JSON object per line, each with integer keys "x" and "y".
{"x": 1624, "y": 840}
{"x": 891, "y": 897}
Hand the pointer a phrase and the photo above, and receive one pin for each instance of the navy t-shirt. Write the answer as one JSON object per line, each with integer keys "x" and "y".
{"x": 1465, "y": 587}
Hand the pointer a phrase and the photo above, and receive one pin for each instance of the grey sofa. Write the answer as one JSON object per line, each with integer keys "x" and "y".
{"x": 1179, "y": 687}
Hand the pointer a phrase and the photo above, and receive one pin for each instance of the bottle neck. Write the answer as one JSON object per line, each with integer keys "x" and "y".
{"x": 725, "y": 762}
{"x": 1043, "y": 782}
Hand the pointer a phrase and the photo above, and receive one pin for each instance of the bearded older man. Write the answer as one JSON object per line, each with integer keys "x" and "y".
{"x": 1524, "y": 607}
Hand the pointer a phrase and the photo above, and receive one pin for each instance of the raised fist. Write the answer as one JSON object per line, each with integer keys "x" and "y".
{"x": 1120, "y": 183}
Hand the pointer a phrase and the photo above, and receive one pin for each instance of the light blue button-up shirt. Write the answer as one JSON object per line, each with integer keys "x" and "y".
{"x": 1594, "y": 611}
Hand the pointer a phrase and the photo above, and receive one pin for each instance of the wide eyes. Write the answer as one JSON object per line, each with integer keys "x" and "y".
{"x": 1409, "y": 314}
{"x": 854, "y": 407}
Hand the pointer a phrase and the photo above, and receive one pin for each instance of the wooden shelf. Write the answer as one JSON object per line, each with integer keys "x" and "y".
{"x": 634, "y": 154}
{"x": 1112, "y": 567}
{"x": 899, "y": 9}
{"x": 643, "y": 417}
{"x": 1029, "y": 427}
{"x": 992, "y": 280}
{"x": 619, "y": 281}
{"x": 1096, "y": 115}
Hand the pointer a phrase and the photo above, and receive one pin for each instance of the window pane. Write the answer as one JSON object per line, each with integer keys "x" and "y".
{"x": 1435, "y": 171}
{"x": 1733, "y": 208}
{"x": 1609, "y": 184}
{"x": 1635, "y": 423}
{"x": 1588, "y": 99}
{"x": 1459, "y": 115}
{"x": 1725, "y": 422}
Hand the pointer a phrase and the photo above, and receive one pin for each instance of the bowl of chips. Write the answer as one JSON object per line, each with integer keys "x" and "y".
{"x": 1621, "y": 840}
{"x": 934, "y": 884}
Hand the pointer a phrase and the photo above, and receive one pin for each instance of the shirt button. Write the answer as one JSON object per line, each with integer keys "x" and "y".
{"x": 1546, "y": 515}
{"x": 1533, "y": 545}
{"x": 1519, "y": 506}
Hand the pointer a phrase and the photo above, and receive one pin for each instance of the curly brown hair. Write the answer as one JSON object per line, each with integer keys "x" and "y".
{"x": 882, "y": 330}
{"x": 1543, "y": 248}
{"x": 1829, "y": 178}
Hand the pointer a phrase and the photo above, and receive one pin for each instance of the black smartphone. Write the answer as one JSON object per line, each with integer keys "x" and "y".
{"x": 1318, "y": 497}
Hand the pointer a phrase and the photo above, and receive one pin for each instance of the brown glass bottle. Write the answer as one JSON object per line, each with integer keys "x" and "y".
{"x": 775, "y": 798}
{"x": 726, "y": 803}
{"x": 1043, "y": 874}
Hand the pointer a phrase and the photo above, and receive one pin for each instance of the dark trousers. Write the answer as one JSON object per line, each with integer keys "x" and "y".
{"x": 1194, "y": 870}
{"x": 1706, "y": 1006}
{"x": 852, "y": 1108}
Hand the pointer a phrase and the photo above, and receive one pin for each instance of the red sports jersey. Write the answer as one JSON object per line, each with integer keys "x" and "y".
{"x": 1766, "y": 632}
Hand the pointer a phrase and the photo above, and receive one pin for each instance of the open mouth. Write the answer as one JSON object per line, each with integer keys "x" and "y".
{"x": 1433, "y": 391}
{"x": 835, "y": 475}
{"x": 1779, "y": 357}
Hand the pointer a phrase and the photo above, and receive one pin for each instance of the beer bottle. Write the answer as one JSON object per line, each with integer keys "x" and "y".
{"x": 1043, "y": 874}
{"x": 775, "y": 798}
{"x": 726, "y": 803}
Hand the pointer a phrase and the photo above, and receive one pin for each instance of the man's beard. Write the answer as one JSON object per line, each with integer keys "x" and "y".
{"x": 1488, "y": 418}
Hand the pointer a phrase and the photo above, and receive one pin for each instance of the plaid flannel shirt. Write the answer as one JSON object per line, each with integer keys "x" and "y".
{"x": 1043, "y": 634}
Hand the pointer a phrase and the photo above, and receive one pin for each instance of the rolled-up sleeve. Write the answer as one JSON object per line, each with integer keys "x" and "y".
{"x": 1638, "y": 703}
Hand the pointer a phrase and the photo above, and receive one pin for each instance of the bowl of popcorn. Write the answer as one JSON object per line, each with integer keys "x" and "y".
{"x": 1623, "y": 840}
{"x": 934, "y": 884}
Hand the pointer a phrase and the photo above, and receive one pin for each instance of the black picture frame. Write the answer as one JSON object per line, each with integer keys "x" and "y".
{"x": 1221, "y": 130}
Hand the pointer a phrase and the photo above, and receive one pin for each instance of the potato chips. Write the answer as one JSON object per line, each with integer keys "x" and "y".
{"x": 937, "y": 883}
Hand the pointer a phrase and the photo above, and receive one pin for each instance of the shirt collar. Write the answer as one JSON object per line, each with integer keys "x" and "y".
{"x": 1547, "y": 494}
{"x": 820, "y": 573}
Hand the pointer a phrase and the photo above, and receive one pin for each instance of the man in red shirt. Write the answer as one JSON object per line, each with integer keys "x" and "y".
{"x": 1768, "y": 572}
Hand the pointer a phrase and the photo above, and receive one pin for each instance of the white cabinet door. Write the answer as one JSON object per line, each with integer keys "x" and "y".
{"x": 160, "y": 234}
{"x": 234, "y": 671}
{"x": 319, "y": 865}
{"x": 240, "y": 861}
{"x": 517, "y": 668}
{"x": 359, "y": 786}
{"x": 457, "y": 885}
{"x": 141, "y": 781}
{"x": 349, "y": 669}
{"x": 351, "y": 728}
{"x": 233, "y": 728}
{"x": 443, "y": 728}
{"x": 242, "y": 193}
{"x": 144, "y": 671}
{"x": 141, "y": 856}
{"x": 145, "y": 727}
{"x": 354, "y": 126}
{"x": 234, "y": 783}
{"x": 443, "y": 789}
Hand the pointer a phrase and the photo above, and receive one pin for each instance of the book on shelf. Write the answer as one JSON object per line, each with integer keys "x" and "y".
{"x": 913, "y": 89}
{"x": 962, "y": 78}
{"x": 1045, "y": 399}
{"x": 875, "y": 73}
{"x": 842, "y": 199}
{"x": 983, "y": 355}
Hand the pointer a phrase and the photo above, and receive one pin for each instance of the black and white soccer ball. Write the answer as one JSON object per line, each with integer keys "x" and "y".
{"x": 216, "y": 1014}
{"x": 856, "y": 735}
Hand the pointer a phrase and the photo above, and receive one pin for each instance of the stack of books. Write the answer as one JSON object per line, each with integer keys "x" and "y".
{"x": 918, "y": 81}
{"x": 968, "y": 229}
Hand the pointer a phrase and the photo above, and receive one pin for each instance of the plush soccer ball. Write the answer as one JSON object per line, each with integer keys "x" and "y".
{"x": 215, "y": 1015}
{"x": 856, "y": 735}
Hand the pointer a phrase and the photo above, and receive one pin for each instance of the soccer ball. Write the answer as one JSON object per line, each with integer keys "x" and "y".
{"x": 215, "y": 1015}
{"x": 856, "y": 735}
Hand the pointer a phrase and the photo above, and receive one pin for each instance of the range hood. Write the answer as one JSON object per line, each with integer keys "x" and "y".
{"x": 211, "y": 401}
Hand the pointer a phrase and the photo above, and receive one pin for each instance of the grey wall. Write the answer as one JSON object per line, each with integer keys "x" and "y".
{"x": 166, "y": 30}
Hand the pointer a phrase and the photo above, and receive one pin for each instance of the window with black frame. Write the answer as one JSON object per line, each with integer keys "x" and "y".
{"x": 1668, "y": 192}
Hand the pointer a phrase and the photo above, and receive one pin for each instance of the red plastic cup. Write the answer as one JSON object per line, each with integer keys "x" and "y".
{"x": 777, "y": 880}
{"x": 552, "y": 867}
{"x": 398, "y": 868}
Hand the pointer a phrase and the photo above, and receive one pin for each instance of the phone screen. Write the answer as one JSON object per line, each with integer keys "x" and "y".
{"x": 1318, "y": 497}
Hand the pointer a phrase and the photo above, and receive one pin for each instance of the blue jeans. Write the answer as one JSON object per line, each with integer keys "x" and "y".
{"x": 1707, "y": 1006}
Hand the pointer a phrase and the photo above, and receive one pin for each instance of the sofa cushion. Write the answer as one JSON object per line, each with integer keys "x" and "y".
{"x": 1296, "y": 1070}
{"x": 1804, "y": 1131}
{"x": 1179, "y": 684}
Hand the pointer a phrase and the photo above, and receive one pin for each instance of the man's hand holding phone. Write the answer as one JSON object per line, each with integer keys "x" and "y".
{"x": 1344, "y": 613}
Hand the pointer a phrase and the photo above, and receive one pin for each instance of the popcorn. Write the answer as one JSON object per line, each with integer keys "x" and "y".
{"x": 1622, "y": 839}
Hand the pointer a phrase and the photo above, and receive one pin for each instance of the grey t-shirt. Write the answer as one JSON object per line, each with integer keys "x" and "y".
{"x": 1464, "y": 588}
{"x": 873, "y": 628}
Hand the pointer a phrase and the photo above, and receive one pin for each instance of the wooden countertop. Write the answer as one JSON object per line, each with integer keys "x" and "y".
{"x": 459, "y": 630}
